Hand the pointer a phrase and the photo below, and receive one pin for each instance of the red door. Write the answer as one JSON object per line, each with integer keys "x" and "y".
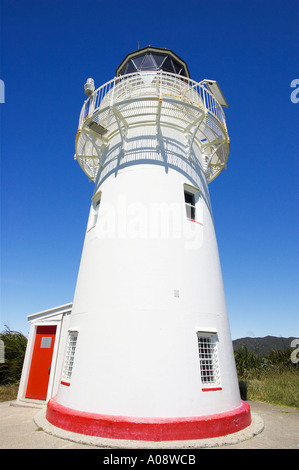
{"x": 40, "y": 367}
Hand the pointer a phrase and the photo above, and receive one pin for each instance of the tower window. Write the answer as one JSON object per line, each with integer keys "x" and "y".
{"x": 190, "y": 205}
{"x": 208, "y": 359}
{"x": 96, "y": 211}
{"x": 70, "y": 354}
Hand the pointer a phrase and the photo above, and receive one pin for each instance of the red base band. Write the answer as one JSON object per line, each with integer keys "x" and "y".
{"x": 148, "y": 429}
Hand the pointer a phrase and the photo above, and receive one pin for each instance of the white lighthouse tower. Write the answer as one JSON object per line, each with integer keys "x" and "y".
{"x": 149, "y": 353}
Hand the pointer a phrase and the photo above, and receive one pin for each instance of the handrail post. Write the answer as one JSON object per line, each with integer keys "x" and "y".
{"x": 204, "y": 99}
{"x": 112, "y": 93}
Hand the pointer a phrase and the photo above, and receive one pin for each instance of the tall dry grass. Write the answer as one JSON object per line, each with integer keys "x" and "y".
{"x": 8, "y": 392}
{"x": 271, "y": 377}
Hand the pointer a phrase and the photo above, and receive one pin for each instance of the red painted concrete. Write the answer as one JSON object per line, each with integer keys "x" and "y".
{"x": 148, "y": 429}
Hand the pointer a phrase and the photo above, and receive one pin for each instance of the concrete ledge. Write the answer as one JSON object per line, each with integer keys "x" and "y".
{"x": 29, "y": 403}
{"x": 256, "y": 427}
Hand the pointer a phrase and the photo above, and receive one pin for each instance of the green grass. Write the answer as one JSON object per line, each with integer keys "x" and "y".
{"x": 277, "y": 388}
{"x": 272, "y": 377}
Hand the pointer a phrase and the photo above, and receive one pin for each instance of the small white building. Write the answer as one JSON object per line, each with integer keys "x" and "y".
{"x": 43, "y": 360}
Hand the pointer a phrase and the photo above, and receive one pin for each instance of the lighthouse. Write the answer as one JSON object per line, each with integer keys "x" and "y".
{"x": 149, "y": 354}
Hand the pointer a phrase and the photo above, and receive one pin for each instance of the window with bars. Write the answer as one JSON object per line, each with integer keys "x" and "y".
{"x": 70, "y": 354}
{"x": 208, "y": 358}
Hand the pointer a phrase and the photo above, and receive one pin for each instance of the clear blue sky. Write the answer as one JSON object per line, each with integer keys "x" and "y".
{"x": 48, "y": 50}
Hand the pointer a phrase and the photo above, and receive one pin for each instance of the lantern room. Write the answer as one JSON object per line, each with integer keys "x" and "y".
{"x": 151, "y": 59}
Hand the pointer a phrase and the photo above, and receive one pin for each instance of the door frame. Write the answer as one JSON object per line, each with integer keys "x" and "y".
{"x": 31, "y": 343}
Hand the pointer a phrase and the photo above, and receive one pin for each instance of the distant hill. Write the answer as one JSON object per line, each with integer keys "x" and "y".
{"x": 263, "y": 345}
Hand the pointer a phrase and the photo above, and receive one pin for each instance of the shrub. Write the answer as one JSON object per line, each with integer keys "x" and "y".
{"x": 270, "y": 377}
{"x": 14, "y": 348}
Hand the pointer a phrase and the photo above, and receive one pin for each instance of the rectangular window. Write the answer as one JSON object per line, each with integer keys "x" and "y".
{"x": 96, "y": 211}
{"x": 190, "y": 205}
{"x": 70, "y": 354}
{"x": 208, "y": 359}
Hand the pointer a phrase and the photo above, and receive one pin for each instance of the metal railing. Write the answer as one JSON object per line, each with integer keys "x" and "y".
{"x": 158, "y": 84}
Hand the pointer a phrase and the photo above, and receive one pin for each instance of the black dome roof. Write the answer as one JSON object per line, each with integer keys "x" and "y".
{"x": 153, "y": 58}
